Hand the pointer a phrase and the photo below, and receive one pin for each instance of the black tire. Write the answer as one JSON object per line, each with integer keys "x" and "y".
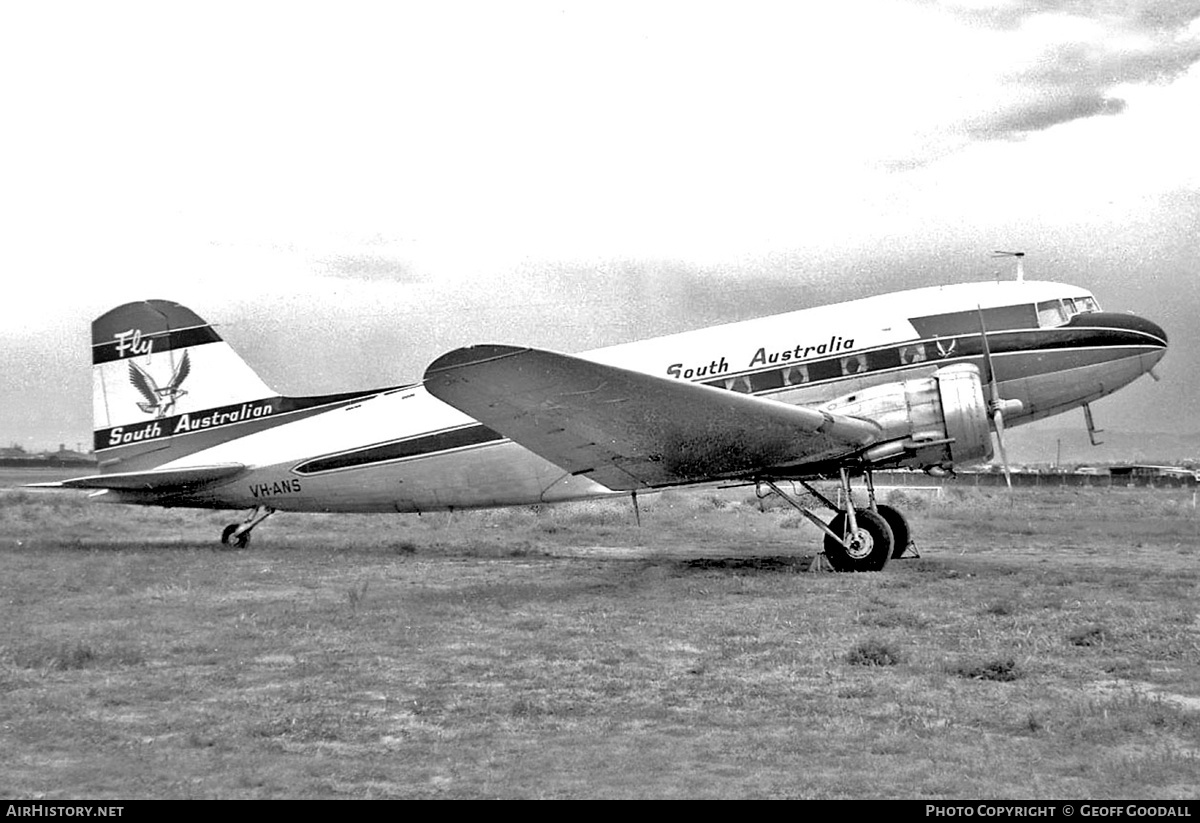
{"x": 240, "y": 542}
{"x": 875, "y": 543}
{"x": 901, "y": 533}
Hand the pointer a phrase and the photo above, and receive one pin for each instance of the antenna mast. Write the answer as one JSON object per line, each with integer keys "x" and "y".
{"x": 1020, "y": 255}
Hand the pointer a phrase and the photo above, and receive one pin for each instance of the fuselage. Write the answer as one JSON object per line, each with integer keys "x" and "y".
{"x": 403, "y": 450}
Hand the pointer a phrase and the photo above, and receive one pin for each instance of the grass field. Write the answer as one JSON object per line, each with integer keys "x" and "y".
{"x": 1046, "y": 646}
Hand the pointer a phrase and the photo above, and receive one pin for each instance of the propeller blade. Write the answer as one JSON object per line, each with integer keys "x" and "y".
{"x": 998, "y": 420}
{"x": 996, "y": 404}
{"x": 990, "y": 373}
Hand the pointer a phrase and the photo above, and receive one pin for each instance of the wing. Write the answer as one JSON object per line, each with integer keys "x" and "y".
{"x": 143, "y": 382}
{"x": 181, "y": 372}
{"x": 629, "y": 430}
{"x": 164, "y": 480}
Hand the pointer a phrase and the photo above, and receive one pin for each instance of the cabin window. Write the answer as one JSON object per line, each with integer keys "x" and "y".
{"x": 854, "y": 364}
{"x": 1086, "y": 304}
{"x": 913, "y": 354}
{"x": 795, "y": 375}
{"x": 739, "y": 384}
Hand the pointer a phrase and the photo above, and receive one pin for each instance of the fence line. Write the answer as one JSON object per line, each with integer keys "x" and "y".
{"x": 916, "y": 480}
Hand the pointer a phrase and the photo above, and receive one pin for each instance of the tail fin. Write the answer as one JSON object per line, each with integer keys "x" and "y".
{"x": 160, "y": 372}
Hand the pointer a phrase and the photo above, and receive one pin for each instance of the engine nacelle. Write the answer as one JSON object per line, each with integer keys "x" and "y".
{"x": 938, "y": 421}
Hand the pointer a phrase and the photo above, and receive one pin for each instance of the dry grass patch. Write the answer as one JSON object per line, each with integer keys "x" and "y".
{"x": 873, "y": 653}
{"x": 564, "y": 652}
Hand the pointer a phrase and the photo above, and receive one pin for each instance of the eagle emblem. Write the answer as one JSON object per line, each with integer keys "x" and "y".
{"x": 946, "y": 351}
{"x": 159, "y": 401}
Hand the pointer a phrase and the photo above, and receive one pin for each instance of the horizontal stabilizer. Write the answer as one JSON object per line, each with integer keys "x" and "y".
{"x": 630, "y": 430}
{"x": 165, "y": 480}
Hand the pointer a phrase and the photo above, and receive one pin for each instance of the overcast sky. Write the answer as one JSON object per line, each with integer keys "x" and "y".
{"x": 350, "y": 189}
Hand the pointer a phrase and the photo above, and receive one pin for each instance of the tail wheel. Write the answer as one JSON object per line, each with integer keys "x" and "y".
{"x": 867, "y": 550}
{"x": 239, "y": 542}
{"x": 901, "y": 533}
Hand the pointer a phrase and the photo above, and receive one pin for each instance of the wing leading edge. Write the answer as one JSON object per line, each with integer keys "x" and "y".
{"x": 629, "y": 430}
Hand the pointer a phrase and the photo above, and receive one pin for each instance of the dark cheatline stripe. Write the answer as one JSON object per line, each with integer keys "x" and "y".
{"x": 1067, "y": 337}
{"x": 290, "y": 404}
{"x": 1102, "y": 334}
{"x": 413, "y": 447}
{"x": 131, "y": 346}
{"x": 216, "y": 425}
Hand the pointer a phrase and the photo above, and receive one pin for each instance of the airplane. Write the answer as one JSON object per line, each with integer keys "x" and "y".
{"x": 917, "y": 379}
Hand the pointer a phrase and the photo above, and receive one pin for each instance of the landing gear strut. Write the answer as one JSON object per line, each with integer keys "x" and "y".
{"x": 856, "y": 540}
{"x": 238, "y": 534}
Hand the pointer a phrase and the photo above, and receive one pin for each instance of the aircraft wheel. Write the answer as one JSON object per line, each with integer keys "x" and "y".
{"x": 869, "y": 549}
{"x": 901, "y": 533}
{"x": 239, "y": 542}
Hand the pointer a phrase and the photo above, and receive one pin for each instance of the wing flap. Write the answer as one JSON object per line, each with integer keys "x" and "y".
{"x": 165, "y": 480}
{"x": 629, "y": 430}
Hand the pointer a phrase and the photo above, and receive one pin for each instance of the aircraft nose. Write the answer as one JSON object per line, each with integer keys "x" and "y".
{"x": 1146, "y": 327}
{"x": 1154, "y": 330}
{"x": 1147, "y": 331}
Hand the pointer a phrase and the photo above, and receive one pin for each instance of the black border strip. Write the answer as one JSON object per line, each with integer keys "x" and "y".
{"x": 935, "y": 352}
{"x": 448, "y": 440}
{"x": 108, "y": 351}
{"x": 280, "y": 407}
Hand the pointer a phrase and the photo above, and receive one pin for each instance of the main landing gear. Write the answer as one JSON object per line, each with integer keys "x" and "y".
{"x": 856, "y": 540}
{"x": 238, "y": 534}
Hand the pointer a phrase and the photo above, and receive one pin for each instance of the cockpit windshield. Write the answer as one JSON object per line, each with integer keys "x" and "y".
{"x": 1059, "y": 312}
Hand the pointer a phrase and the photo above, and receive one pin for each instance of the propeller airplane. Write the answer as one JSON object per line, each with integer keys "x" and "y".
{"x": 918, "y": 379}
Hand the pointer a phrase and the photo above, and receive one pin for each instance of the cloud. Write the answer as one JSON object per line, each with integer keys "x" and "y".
{"x": 1079, "y": 56}
{"x": 1043, "y": 112}
{"x": 369, "y": 267}
{"x": 1149, "y": 15}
